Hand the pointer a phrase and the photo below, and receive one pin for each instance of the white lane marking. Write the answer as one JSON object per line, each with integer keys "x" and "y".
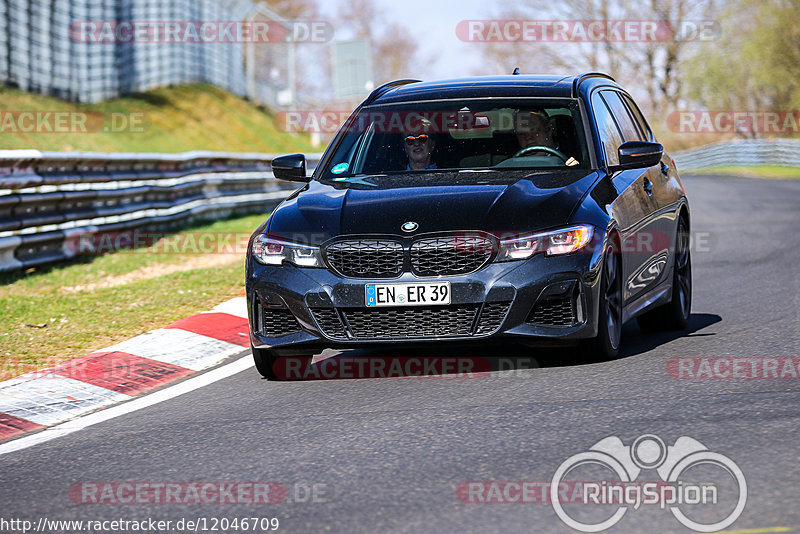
{"x": 236, "y": 306}
{"x": 178, "y": 347}
{"x": 156, "y": 397}
{"x": 51, "y": 399}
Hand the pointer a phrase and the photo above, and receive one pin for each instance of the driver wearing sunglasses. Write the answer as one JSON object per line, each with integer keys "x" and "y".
{"x": 419, "y": 149}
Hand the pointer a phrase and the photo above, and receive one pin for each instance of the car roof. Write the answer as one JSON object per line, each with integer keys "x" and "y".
{"x": 486, "y": 86}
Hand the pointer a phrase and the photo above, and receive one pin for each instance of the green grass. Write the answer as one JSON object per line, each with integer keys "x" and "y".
{"x": 760, "y": 171}
{"x": 79, "y": 321}
{"x": 172, "y": 119}
{"x": 50, "y": 314}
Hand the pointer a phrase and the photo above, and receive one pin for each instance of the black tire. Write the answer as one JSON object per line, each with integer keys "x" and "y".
{"x": 605, "y": 346}
{"x": 264, "y": 360}
{"x": 268, "y": 364}
{"x": 674, "y": 315}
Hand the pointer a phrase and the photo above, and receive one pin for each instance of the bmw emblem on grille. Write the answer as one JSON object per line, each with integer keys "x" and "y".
{"x": 410, "y": 226}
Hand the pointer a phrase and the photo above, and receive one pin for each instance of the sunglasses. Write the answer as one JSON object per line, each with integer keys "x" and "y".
{"x": 421, "y": 138}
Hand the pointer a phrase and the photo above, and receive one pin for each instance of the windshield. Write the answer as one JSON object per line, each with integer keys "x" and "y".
{"x": 468, "y": 135}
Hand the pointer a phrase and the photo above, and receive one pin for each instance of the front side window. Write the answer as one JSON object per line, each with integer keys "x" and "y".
{"x": 464, "y": 135}
{"x": 640, "y": 120}
{"x": 606, "y": 129}
{"x": 630, "y": 132}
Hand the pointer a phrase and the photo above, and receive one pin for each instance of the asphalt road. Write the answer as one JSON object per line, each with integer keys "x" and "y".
{"x": 388, "y": 455}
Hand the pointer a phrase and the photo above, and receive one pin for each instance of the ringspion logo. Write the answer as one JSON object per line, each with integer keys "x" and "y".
{"x": 698, "y": 482}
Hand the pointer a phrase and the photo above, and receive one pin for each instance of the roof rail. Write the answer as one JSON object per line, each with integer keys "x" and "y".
{"x": 383, "y": 89}
{"x": 580, "y": 77}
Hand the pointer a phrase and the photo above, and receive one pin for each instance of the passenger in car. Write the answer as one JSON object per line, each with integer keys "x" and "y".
{"x": 535, "y": 128}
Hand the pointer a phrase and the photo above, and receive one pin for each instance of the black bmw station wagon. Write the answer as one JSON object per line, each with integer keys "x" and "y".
{"x": 524, "y": 208}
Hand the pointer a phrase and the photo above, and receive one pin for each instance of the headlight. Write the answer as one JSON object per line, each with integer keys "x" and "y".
{"x": 271, "y": 251}
{"x": 564, "y": 241}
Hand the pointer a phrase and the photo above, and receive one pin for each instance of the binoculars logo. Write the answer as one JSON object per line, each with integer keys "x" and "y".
{"x": 676, "y": 466}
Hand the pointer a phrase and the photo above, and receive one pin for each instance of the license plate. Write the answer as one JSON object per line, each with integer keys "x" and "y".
{"x": 416, "y": 294}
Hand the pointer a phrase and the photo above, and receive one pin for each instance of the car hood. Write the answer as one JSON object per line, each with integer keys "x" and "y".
{"x": 437, "y": 202}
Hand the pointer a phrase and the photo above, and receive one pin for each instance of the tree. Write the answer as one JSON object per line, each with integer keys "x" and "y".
{"x": 294, "y": 9}
{"x": 394, "y": 49}
{"x": 755, "y": 65}
{"x": 652, "y": 68}
{"x": 777, "y": 45}
{"x": 274, "y": 61}
{"x": 719, "y": 74}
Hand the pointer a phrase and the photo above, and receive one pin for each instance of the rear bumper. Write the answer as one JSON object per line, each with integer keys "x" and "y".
{"x": 547, "y": 300}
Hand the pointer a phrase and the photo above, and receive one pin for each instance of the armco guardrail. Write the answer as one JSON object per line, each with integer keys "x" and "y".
{"x": 46, "y": 197}
{"x": 742, "y": 152}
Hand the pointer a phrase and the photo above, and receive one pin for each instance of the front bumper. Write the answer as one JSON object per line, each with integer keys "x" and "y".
{"x": 543, "y": 299}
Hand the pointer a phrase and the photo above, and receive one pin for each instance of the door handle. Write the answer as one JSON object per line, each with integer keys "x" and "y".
{"x": 648, "y": 187}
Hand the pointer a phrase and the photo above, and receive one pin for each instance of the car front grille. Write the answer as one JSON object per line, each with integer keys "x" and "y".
{"x": 554, "y": 312}
{"x": 417, "y": 322}
{"x": 366, "y": 258}
{"x": 274, "y": 321}
{"x": 449, "y": 255}
{"x": 390, "y": 323}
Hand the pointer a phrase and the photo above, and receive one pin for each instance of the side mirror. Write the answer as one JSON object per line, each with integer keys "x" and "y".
{"x": 638, "y": 155}
{"x": 291, "y": 168}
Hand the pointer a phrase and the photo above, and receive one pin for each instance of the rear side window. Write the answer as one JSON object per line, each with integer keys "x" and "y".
{"x": 606, "y": 129}
{"x": 630, "y": 132}
{"x": 640, "y": 120}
